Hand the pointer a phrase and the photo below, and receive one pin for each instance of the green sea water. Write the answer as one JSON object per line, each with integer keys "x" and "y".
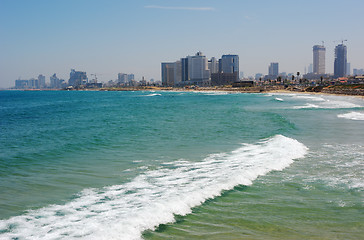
{"x": 180, "y": 165}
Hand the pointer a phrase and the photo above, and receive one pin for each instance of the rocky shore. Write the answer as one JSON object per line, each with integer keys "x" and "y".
{"x": 352, "y": 90}
{"x": 345, "y": 90}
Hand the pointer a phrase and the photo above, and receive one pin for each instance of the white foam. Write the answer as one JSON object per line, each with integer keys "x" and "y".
{"x": 153, "y": 94}
{"x": 338, "y": 104}
{"x": 310, "y": 97}
{"x": 153, "y": 198}
{"x": 320, "y": 101}
{"x": 279, "y": 99}
{"x": 341, "y": 166}
{"x": 329, "y": 104}
{"x": 352, "y": 116}
{"x": 307, "y": 105}
{"x": 215, "y": 93}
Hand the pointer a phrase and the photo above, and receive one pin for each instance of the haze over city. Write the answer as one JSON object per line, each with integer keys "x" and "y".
{"x": 109, "y": 37}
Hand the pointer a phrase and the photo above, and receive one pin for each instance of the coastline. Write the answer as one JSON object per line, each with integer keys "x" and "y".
{"x": 339, "y": 90}
{"x": 331, "y": 90}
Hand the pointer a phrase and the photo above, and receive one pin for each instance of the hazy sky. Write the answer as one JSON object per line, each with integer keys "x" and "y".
{"x": 134, "y": 36}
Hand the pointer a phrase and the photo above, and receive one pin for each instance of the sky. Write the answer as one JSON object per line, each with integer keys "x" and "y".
{"x": 107, "y": 37}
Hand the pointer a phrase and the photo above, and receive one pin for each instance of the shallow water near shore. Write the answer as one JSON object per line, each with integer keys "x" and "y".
{"x": 180, "y": 165}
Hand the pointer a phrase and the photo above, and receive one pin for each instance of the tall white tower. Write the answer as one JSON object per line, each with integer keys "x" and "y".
{"x": 198, "y": 68}
{"x": 319, "y": 52}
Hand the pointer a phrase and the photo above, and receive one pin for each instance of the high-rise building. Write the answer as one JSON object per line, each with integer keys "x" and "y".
{"x": 41, "y": 81}
{"x": 319, "y": 59}
{"x": 123, "y": 78}
{"x": 33, "y": 83}
{"x": 184, "y": 69}
{"x": 258, "y": 76}
{"x": 273, "y": 69}
{"x": 198, "y": 70}
{"x": 340, "y": 63}
{"x": 55, "y": 82}
{"x": 213, "y": 65}
{"x": 177, "y": 72}
{"x": 77, "y": 78}
{"x": 357, "y": 71}
{"x": 348, "y": 69}
{"x": 310, "y": 68}
{"x": 21, "y": 84}
{"x": 168, "y": 74}
{"x": 131, "y": 77}
{"x": 229, "y": 64}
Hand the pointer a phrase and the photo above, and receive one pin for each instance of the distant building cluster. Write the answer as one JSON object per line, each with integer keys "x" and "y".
{"x": 40, "y": 83}
{"x": 126, "y": 79}
{"x": 317, "y": 70}
{"x": 358, "y": 71}
{"x": 79, "y": 80}
{"x": 33, "y": 83}
{"x": 198, "y": 70}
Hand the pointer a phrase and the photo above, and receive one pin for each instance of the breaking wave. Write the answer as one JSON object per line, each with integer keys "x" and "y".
{"x": 154, "y": 197}
{"x": 352, "y": 116}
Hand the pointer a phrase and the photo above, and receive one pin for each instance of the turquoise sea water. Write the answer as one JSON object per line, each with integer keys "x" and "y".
{"x": 180, "y": 165}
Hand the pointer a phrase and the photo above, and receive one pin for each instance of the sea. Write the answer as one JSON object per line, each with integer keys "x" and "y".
{"x": 180, "y": 165}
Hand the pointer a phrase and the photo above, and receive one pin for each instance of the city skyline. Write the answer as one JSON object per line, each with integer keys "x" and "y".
{"x": 41, "y": 37}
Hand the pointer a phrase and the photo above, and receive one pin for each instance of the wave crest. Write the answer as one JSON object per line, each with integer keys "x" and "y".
{"x": 352, "y": 116}
{"x": 153, "y": 198}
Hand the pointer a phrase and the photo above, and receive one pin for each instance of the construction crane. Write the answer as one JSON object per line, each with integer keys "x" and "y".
{"x": 342, "y": 41}
{"x": 95, "y": 79}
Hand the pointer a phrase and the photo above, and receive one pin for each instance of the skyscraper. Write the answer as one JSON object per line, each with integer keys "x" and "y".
{"x": 168, "y": 74}
{"x": 77, "y": 78}
{"x": 340, "y": 63}
{"x": 131, "y": 77}
{"x": 198, "y": 70}
{"x": 230, "y": 64}
{"x": 55, "y": 82}
{"x": 184, "y": 69}
{"x": 319, "y": 59}
{"x": 41, "y": 81}
{"x": 273, "y": 69}
{"x": 122, "y": 78}
{"x": 214, "y": 65}
{"x": 177, "y": 72}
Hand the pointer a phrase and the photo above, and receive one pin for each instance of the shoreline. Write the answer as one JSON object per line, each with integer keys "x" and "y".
{"x": 332, "y": 90}
{"x": 358, "y": 93}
